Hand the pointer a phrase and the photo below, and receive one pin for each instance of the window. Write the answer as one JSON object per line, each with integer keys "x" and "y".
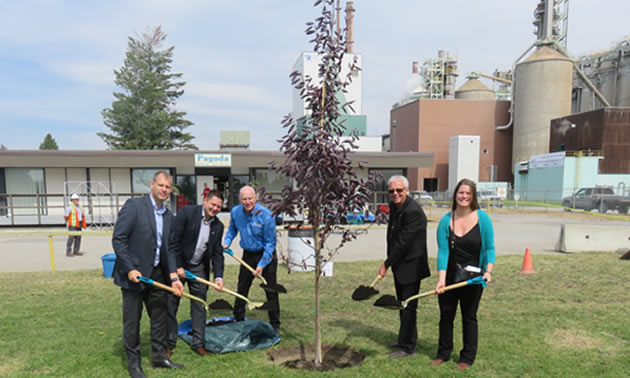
{"x": 238, "y": 181}
{"x": 29, "y": 181}
{"x": 186, "y": 191}
{"x": 141, "y": 179}
{"x": 272, "y": 181}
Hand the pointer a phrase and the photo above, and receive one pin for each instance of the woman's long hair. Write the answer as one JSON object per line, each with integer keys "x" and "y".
{"x": 474, "y": 204}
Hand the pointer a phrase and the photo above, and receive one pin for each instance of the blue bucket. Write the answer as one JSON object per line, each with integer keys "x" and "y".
{"x": 108, "y": 264}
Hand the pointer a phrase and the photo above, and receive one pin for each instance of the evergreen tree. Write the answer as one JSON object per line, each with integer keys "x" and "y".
{"x": 49, "y": 143}
{"x": 3, "y": 147}
{"x": 143, "y": 117}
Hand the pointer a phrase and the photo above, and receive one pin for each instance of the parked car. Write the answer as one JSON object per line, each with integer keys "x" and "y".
{"x": 601, "y": 198}
{"x": 489, "y": 197}
{"x": 422, "y": 197}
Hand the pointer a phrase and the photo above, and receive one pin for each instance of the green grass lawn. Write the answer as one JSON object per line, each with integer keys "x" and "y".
{"x": 568, "y": 320}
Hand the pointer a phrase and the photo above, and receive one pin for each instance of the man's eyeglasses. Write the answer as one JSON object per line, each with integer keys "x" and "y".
{"x": 399, "y": 190}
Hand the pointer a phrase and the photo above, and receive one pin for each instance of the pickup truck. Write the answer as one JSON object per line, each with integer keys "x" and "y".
{"x": 601, "y": 198}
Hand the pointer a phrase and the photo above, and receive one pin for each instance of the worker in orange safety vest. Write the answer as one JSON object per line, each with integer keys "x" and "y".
{"x": 75, "y": 217}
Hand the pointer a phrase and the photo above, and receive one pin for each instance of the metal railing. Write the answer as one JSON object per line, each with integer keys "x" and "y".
{"x": 48, "y": 209}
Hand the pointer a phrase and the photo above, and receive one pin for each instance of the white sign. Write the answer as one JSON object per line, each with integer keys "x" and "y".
{"x": 554, "y": 159}
{"x": 213, "y": 160}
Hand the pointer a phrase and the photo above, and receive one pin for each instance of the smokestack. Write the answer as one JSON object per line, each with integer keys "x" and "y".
{"x": 338, "y": 9}
{"x": 414, "y": 67}
{"x": 350, "y": 26}
{"x": 548, "y": 20}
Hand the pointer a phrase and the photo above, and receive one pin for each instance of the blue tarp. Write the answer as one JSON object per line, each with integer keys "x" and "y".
{"x": 224, "y": 335}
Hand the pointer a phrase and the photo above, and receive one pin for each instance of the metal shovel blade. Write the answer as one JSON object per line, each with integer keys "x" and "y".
{"x": 363, "y": 292}
{"x": 220, "y": 304}
{"x": 389, "y": 302}
{"x": 267, "y": 306}
{"x": 276, "y": 288}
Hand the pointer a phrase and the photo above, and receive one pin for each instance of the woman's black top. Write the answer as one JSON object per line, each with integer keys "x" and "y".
{"x": 464, "y": 250}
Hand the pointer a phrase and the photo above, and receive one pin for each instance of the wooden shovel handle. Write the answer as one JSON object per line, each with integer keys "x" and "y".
{"x": 246, "y": 265}
{"x": 378, "y": 278}
{"x": 426, "y": 294}
{"x": 215, "y": 286}
{"x": 168, "y": 288}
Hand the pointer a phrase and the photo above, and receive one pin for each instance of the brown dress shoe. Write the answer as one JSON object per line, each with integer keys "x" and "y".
{"x": 201, "y": 351}
{"x": 437, "y": 361}
{"x": 462, "y": 366}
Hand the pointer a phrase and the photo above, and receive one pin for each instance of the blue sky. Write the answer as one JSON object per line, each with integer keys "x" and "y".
{"x": 57, "y": 57}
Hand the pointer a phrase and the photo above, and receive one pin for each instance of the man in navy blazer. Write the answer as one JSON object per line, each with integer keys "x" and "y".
{"x": 407, "y": 256}
{"x": 196, "y": 241}
{"x": 140, "y": 241}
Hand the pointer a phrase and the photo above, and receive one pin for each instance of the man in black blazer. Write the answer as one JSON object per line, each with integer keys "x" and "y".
{"x": 407, "y": 256}
{"x": 196, "y": 241}
{"x": 140, "y": 242}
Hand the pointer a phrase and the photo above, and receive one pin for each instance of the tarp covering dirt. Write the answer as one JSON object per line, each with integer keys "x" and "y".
{"x": 224, "y": 335}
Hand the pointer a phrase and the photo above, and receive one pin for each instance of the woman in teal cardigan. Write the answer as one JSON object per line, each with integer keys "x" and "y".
{"x": 465, "y": 241}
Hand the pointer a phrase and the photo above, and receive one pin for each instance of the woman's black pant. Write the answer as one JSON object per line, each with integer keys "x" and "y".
{"x": 468, "y": 297}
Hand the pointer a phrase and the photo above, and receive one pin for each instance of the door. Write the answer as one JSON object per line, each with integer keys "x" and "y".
{"x": 204, "y": 185}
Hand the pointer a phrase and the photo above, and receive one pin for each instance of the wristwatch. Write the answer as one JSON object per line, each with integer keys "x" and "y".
{"x": 174, "y": 279}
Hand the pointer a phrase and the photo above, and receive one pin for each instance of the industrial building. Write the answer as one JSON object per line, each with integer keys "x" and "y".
{"x": 545, "y": 104}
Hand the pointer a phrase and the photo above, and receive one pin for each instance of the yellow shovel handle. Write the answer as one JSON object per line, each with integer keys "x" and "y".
{"x": 215, "y": 286}
{"x": 246, "y": 265}
{"x": 168, "y": 288}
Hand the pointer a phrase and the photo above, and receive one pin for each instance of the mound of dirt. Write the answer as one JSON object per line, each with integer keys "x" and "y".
{"x": 303, "y": 356}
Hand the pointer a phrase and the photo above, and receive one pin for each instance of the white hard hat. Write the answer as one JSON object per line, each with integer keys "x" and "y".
{"x": 74, "y": 196}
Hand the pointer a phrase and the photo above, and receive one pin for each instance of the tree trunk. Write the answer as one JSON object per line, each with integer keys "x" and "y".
{"x": 318, "y": 271}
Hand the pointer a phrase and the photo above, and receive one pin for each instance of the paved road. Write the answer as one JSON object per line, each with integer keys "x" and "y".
{"x": 513, "y": 233}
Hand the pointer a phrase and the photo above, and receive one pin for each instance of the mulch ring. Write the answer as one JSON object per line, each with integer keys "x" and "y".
{"x": 302, "y": 357}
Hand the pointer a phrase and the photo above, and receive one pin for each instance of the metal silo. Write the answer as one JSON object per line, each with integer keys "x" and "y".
{"x": 474, "y": 89}
{"x": 542, "y": 91}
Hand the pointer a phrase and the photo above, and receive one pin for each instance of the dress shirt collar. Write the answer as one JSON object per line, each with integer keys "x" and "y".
{"x": 155, "y": 208}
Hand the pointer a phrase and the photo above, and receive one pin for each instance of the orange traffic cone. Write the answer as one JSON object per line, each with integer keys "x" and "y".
{"x": 527, "y": 263}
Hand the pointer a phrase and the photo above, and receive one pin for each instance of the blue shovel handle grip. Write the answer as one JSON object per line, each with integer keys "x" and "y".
{"x": 145, "y": 280}
{"x": 478, "y": 281}
{"x": 228, "y": 251}
{"x": 190, "y": 276}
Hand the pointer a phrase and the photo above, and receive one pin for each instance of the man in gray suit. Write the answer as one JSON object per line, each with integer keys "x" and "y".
{"x": 140, "y": 242}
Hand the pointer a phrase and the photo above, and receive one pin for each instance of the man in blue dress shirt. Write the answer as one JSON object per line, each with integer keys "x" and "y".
{"x": 258, "y": 240}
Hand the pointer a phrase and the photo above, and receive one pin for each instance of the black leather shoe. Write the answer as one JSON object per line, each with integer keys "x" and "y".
{"x": 167, "y": 364}
{"x": 136, "y": 372}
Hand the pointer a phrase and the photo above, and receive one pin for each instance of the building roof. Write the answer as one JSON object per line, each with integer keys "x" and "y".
{"x": 474, "y": 85}
{"x": 186, "y": 159}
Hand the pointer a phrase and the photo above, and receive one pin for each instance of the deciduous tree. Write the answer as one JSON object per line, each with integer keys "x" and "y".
{"x": 325, "y": 183}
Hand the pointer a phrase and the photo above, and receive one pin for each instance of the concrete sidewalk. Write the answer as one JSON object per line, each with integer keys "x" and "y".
{"x": 513, "y": 233}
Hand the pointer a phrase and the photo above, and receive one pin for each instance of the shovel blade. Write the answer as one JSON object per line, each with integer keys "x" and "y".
{"x": 267, "y": 306}
{"x": 220, "y": 304}
{"x": 276, "y": 288}
{"x": 389, "y": 302}
{"x": 363, "y": 292}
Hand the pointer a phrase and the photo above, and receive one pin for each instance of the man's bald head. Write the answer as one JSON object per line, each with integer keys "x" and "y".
{"x": 247, "y": 198}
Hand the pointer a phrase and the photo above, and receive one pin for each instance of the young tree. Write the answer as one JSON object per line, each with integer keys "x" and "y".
{"x": 143, "y": 116}
{"x": 324, "y": 183}
{"x": 3, "y": 147}
{"x": 49, "y": 143}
